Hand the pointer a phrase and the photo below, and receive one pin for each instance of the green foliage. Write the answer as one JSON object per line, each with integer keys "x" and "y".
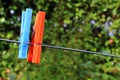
{"x": 84, "y": 24}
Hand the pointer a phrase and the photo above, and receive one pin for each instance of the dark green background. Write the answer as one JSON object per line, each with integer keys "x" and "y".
{"x": 70, "y": 23}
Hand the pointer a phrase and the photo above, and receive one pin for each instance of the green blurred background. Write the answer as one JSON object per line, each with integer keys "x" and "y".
{"x": 84, "y": 24}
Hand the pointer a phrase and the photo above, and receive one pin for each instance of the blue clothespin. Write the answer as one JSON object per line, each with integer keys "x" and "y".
{"x": 24, "y": 33}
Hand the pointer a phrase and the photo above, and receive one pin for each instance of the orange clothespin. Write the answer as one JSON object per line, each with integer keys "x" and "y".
{"x": 35, "y": 49}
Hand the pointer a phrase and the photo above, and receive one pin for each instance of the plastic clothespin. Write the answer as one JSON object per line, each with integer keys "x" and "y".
{"x": 35, "y": 49}
{"x": 24, "y": 33}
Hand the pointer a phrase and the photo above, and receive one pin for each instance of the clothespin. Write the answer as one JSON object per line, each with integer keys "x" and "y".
{"x": 24, "y": 33}
{"x": 35, "y": 49}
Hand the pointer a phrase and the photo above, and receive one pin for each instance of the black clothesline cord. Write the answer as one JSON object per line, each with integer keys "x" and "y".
{"x": 63, "y": 48}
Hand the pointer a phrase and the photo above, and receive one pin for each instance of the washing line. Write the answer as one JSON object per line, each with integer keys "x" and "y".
{"x": 63, "y": 48}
